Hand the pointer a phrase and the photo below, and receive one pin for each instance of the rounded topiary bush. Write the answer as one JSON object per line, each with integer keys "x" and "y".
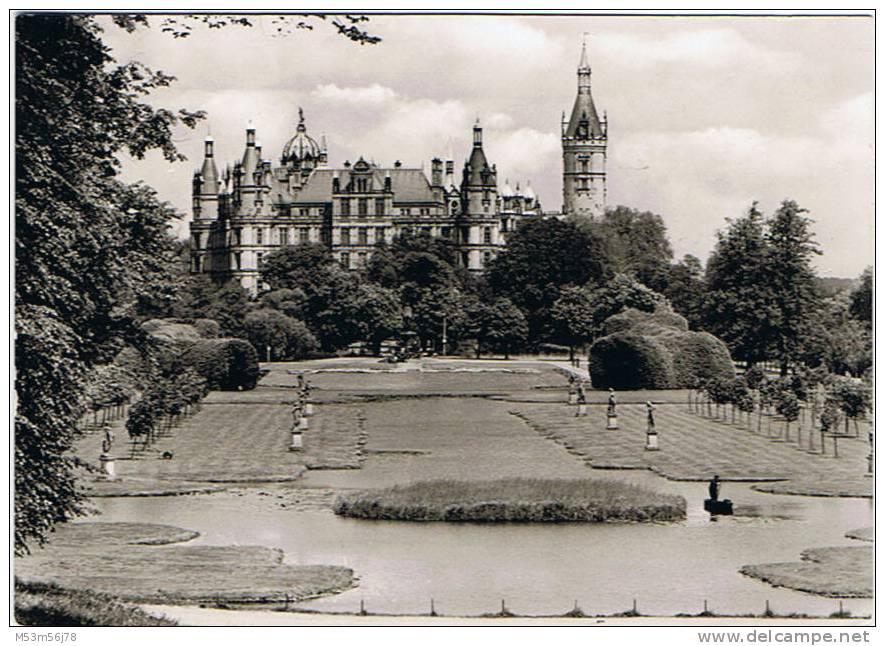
{"x": 628, "y": 361}
{"x": 697, "y": 357}
{"x": 225, "y": 364}
{"x": 639, "y": 322}
{"x": 171, "y": 331}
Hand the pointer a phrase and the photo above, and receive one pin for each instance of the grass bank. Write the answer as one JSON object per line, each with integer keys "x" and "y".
{"x": 840, "y": 572}
{"x": 512, "y": 500}
{"x": 140, "y": 562}
{"x": 42, "y": 604}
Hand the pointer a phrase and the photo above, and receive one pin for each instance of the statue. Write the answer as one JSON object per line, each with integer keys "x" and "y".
{"x": 582, "y": 400}
{"x": 612, "y": 411}
{"x": 108, "y": 440}
{"x": 714, "y": 488}
{"x": 650, "y": 414}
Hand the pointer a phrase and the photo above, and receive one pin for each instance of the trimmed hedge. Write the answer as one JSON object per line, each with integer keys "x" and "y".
{"x": 697, "y": 357}
{"x": 226, "y": 364}
{"x": 656, "y": 350}
{"x": 638, "y": 321}
{"x": 627, "y": 361}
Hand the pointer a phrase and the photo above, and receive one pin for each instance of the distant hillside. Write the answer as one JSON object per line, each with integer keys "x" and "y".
{"x": 831, "y": 286}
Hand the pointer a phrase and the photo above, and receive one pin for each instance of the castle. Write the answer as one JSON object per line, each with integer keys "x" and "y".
{"x": 255, "y": 208}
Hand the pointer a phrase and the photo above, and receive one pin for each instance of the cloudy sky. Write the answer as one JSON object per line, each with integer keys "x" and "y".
{"x": 706, "y": 114}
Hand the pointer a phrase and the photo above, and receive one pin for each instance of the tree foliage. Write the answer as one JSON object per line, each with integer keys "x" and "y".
{"x": 543, "y": 256}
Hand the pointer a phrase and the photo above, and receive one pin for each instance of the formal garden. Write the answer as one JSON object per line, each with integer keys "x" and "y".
{"x": 579, "y": 393}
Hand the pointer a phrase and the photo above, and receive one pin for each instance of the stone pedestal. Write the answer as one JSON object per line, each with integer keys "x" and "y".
{"x": 308, "y": 409}
{"x": 651, "y": 441}
{"x": 108, "y": 466}
{"x": 296, "y": 441}
{"x": 302, "y": 424}
{"x": 582, "y": 410}
{"x": 612, "y": 424}
{"x": 572, "y": 398}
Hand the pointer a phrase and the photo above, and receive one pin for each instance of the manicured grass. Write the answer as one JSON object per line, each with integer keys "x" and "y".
{"x": 42, "y": 604}
{"x": 694, "y": 447}
{"x": 828, "y": 571}
{"x": 134, "y": 562}
{"x": 513, "y": 500}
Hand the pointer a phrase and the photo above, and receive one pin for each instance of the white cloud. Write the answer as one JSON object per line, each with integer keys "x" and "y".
{"x": 697, "y": 47}
{"x": 374, "y": 95}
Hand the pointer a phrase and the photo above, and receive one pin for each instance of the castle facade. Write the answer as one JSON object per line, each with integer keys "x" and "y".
{"x": 254, "y": 207}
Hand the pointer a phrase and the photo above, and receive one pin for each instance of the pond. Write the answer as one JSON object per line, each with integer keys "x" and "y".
{"x": 468, "y": 569}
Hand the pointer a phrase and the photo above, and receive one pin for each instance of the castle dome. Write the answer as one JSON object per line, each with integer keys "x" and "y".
{"x": 302, "y": 145}
{"x": 507, "y": 191}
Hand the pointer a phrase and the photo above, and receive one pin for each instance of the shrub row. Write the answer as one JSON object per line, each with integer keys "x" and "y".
{"x": 226, "y": 364}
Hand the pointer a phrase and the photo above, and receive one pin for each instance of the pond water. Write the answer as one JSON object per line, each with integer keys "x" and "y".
{"x": 537, "y": 569}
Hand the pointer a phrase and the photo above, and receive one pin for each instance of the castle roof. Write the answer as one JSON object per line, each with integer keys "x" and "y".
{"x": 408, "y": 184}
{"x": 302, "y": 145}
{"x": 584, "y": 111}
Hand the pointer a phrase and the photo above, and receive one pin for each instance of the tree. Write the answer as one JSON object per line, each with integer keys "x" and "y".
{"x": 681, "y": 283}
{"x": 88, "y": 248}
{"x": 379, "y": 313}
{"x": 501, "y": 327}
{"x": 633, "y": 239}
{"x": 542, "y": 256}
{"x": 791, "y": 280}
{"x": 303, "y": 267}
{"x": 572, "y": 318}
{"x": 286, "y": 337}
{"x": 862, "y": 298}
{"x": 619, "y": 294}
{"x": 739, "y": 306}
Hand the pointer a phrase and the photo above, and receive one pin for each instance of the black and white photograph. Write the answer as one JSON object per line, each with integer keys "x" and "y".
{"x": 487, "y": 317}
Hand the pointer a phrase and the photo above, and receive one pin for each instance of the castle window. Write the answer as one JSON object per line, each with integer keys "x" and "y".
{"x": 238, "y": 258}
{"x": 361, "y": 259}
{"x": 197, "y": 242}
{"x": 425, "y": 211}
{"x": 446, "y": 232}
{"x": 304, "y": 235}
{"x": 379, "y": 234}
{"x": 198, "y": 265}
{"x": 259, "y": 236}
{"x": 345, "y": 260}
{"x": 363, "y": 235}
{"x": 345, "y": 206}
{"x": 487, "y": 235}
{"x": 379, "y": 206}
{"x": 304, "y": 212}
{"x": 258, "y": 258}
{"x": 361, "y": 185}
{"x": 405, "y": 211}
{"x": 363, "y": 206}
{"x": 284, "y": 237}
{"x": 345, "y": 235}
{"x": 584, "y": 168}
{"x": 486, "y": 257}
{"x": 237, "y": 236}
{"x": 485, "y": 209}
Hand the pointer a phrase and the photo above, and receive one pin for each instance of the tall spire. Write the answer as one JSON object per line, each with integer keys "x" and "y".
{"x": 584, "y": 64}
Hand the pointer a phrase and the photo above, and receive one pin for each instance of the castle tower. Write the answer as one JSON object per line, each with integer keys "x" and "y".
{"x": 584, "y": 142}
{"x": 478, "y": 221}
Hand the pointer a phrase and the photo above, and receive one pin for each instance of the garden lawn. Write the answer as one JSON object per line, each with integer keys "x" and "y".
{"x": 142, "y": 563}
{"x": 512, "y": 500}
{"x": 828, "y": 571}
{"x": 693, "y": 447}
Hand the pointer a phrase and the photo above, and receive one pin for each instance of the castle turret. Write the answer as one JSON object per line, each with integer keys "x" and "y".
{"x": 206, "y": 204}
{"x": 248, "y": 168}
{"x": 478, "y": 221}
{"x": 584, "y": 144}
